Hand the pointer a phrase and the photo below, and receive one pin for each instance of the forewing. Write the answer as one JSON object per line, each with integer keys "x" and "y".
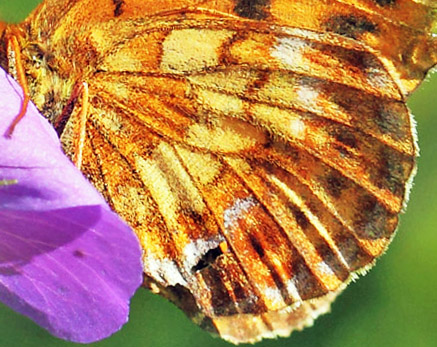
{"x": 398, "y": 30}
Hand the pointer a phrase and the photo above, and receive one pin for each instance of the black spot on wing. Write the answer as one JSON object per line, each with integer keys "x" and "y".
{"x": 252, "y": 9}
{"x": 344, "y": 136}
{"x": 118, "y": 11}
{"x": 371, "y": 222}
{"x": 207, "y": 259}
{"x": 335, "y": 184}
{"x": 350, "y": 26}
{"x": 392, "y": 170}
{"x": 385, "y": 2}
{"x": 299, "y": 216}
{"x": 222, "y": 303}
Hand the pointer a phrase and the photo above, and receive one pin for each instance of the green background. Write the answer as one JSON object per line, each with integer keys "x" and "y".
{"x": 394, "y": 305}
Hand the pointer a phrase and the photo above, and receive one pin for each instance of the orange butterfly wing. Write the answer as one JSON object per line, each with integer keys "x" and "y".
{"x": 398, "y": 30}
{"x": 260, "y": 149}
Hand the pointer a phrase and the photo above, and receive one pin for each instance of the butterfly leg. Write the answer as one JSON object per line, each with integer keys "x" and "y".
{"x": 79, "y": 141}
{"x": 80, "y": 89}
{"x": 15, "y": 63}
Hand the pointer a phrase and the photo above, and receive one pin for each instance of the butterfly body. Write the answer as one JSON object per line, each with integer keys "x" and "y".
{"x": 261, "y": 150}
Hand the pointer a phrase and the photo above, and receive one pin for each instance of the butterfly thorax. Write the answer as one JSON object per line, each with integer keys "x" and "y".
{"x": 50, "y": 86}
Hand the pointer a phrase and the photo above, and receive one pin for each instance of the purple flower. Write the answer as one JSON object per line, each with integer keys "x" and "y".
{"x": 66, "y": 260}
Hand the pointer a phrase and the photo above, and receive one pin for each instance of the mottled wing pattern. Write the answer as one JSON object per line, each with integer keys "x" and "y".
{"x": 398, "y": 30}
{"x": 260, "y": 149}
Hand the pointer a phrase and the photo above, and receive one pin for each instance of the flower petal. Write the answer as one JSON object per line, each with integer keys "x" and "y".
{"x": 46, "y": 177}
{"x": 66, "y": 260}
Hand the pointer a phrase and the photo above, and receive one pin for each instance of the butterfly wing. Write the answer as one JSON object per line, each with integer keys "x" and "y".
{"x": 397, "y": 29}
{"x": 261, "y": 165}
{"x": 237, "y": 133}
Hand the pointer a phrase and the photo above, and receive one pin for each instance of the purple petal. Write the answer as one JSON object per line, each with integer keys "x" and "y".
{"x": 66, "y": 260}
{"x": 33, "y": 156}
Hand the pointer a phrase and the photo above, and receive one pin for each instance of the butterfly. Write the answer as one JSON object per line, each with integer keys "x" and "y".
{"x": 261, "y": 150}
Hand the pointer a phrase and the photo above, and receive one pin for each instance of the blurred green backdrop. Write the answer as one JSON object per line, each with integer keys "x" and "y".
{"x": 394, "y": 305}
